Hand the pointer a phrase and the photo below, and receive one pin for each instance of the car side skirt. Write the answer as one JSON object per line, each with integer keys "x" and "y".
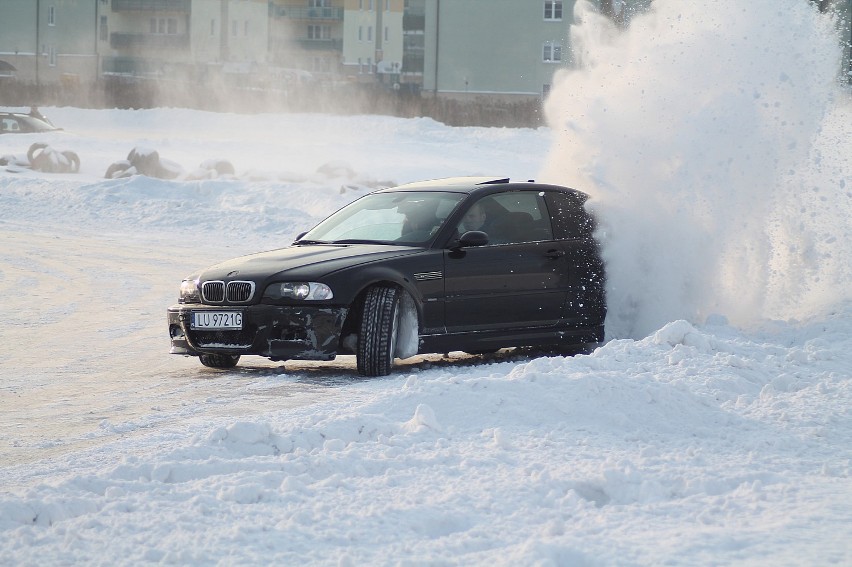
{"x": 490, "y": 340}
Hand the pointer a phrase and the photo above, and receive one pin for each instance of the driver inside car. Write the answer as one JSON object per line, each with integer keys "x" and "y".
{"x": 475, "y": 219}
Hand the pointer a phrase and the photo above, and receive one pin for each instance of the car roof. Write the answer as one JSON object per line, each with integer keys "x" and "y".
{"x": 480, "y": 185}
{"x": 15, "y": 114}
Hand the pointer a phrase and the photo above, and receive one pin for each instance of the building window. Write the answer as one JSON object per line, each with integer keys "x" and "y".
{"x": 370, "y": 5}
{"x": 386, "y": 33}
{"x": 552, "y": 9}
{"x": 360, "y": 4}
{"x": 51, "y": 15}
{"x": 319, "y": 32}
{"x": 104, "y": 30}
{"x": 360, "y": 33}
{"x": 545, "y": 90}
{"x": 163, "y": 26}
{"x": 212, "y": 28}
{"x": 370, "y": 33}
{"x": 51, "y": 55}
{"x": 552, "y": 52}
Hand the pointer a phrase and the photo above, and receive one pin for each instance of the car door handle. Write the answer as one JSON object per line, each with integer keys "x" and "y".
{"x": 554, "y": 254}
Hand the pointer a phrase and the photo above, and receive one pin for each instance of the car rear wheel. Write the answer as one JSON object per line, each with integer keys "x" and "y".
{"x": 378, "y": 332}
{"x": 219, "y": 360}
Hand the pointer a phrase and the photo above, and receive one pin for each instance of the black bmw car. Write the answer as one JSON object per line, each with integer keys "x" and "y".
{"x": 461, "y": 264}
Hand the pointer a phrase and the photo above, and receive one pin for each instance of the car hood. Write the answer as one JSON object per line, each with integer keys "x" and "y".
{"x": 302, "y": 262}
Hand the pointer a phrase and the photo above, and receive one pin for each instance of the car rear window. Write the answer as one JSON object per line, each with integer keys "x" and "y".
{"x": 570, "y": 218}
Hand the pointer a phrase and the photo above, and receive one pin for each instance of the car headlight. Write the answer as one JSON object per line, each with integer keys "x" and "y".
{"x": 189, "y": 292}
{"x": 305, "y": 291}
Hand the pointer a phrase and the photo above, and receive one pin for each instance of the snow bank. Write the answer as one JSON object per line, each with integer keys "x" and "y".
{"x": 700, "y": 444}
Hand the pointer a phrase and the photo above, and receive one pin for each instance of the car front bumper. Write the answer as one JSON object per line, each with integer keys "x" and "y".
{"x": 276, "y": 332}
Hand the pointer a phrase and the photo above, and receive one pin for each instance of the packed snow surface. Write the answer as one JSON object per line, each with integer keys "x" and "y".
{"x": 713, "y": 428}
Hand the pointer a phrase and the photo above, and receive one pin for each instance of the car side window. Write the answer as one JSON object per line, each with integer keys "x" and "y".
{"x": 11, "y": 125}
{"x": 508, "y": 218}
{"x": 570, "y": 218}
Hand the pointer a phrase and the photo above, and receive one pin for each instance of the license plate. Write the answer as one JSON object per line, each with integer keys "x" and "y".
{"x": 217, "y": 320}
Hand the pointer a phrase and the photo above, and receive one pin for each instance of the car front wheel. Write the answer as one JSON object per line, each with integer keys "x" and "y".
{"x": 222, "y": 361}
{"x": 378, "y": 332}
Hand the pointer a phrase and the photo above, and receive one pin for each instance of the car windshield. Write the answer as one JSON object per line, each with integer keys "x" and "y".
{"x": 403, "y": 217}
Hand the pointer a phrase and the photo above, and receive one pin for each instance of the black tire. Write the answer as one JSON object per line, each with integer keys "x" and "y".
{"x": 377, "y": 335}
{"x": 117, "y": 169}
{"x": 73, "y": 161}
{"x": 39, "y": 147}
{"x": 146, "y": 162}
{"x": 221, "y": 361}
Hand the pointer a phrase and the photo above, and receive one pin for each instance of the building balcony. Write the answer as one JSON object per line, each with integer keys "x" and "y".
{"x": 182, "y": 6}
{"x": 148, "y": 40}
{"x": 313, "y": 14}
{"x": 126, "y": 66}
{"x": 413, "y": 21}
{"x": 320, "y": 44}
{"x": 412, "y": 63}
{"x": 413, "y": 43}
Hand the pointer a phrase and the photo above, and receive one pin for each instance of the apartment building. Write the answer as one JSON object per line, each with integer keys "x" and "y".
{"x": 502, "y": 48}
{"x": 394, "y": 42}
{"x": 184, "y": 39}
{"x": 349, "y": 40}
{"x": 373, "y": 40}
{"x": 49, "y": 42}
{"x": 306, "y": 38}
{"x": 413, "y": 45}
{"x": 449, "y": 48}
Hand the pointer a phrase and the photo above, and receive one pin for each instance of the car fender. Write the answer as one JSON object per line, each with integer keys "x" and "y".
{"x": 357, "y": 281}
{"x": 381, "y": 274}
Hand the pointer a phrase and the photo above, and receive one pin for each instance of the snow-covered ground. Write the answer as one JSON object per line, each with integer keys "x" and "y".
{"x": 714, "y": 428}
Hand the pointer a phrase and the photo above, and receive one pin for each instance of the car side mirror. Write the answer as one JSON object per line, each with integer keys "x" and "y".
{"x": 473, "y": 238}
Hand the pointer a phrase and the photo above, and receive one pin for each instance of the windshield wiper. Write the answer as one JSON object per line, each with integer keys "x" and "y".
{"x": 357, "y": 241}
{"x": 311, "y": 242}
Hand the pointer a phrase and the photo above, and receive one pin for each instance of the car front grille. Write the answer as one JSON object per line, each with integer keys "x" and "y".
{"x": 213, "y": 292}
{"x": 237, "y": 291}
{"x": 240, "y": 292}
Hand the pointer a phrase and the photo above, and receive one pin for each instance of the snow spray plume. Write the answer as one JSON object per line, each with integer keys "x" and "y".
{"x": 715, "y": 141}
